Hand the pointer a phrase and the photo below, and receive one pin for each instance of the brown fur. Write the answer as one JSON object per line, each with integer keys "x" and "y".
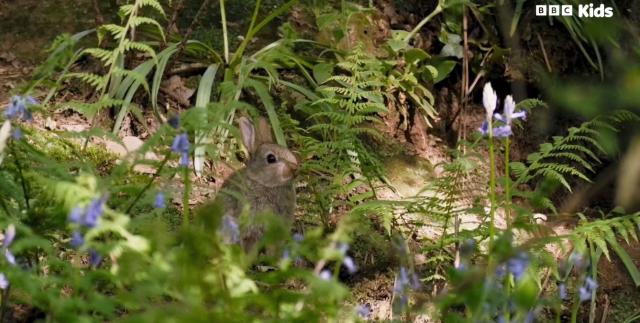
{"x": 262, "y": 187}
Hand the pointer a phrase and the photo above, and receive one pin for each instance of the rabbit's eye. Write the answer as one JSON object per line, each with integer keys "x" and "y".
{"x": 271, "y": 158}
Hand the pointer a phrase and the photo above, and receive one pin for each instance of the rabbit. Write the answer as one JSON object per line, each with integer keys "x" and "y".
{"x": 265, "y": 184}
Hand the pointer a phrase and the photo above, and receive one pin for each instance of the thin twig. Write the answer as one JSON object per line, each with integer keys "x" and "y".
{"x": 544, "y": 52}
{"x": 99, "y": 18}
{"x": 605, "y": 311}
{"x": 146, "y": 187}
{"x": 465, "y": 76}
{"x": 173, "y": 25}
{"x": 194, "y": 22}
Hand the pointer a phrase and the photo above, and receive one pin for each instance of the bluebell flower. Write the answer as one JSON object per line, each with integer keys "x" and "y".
{"x": 18, "y": 108}
{"x": 94, "y": 258}
{"x": 94, "y": 211}
{"x": 577, "y": 259}
{"x": 298, "y": 237}
{"x": 342, "y": 247}
{"x": 364, "y": 310}
{"x": 416, "y": 284}
{"x": 75, "y": 216}
{"x": 562, "y": 291}
{"x": 349, "y": 263}
{"x": 501, "y": 271}
{"x": 159, "y": 201}
{"x": 181, "y": 145}
{"x": 325, "y": 274}
{"x": 9, "y": 236}
{"x": 500, "y": 132}
{"x": 16, "y": 134}
{"x": 404, "y": 276}
{"x": 509, "y": 112}
{"x": 77, "y": 239}
{"x": 489, "y": 100}
{"x": 530, "y": 317}
{"x": 518, "y": 265}
{"x": 174, "y": 121}
{"x": 230, "y": 230}
{"x": 286, "y": 255}
{"x": 4, "y": 282}
{"x": 587, "y": 289}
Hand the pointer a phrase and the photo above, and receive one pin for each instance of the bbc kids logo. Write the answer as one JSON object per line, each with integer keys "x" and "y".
{"x": 584, "y": 10}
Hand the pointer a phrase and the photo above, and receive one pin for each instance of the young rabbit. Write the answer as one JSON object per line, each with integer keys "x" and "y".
{"x": 264, "y": 185}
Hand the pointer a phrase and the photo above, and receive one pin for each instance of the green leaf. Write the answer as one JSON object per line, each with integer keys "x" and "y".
{"x": 322, "y": 72}
{"x": 267, "y": 101}
{"x": 626, "y": 260}
{"x": 444, "y": 68}
{"x": 202, "y": 100}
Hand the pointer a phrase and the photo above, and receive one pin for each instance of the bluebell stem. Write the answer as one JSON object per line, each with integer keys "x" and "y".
{"x": 4, "y": 282}
{"x": 158, "y": 203}
{"x": 325, "y": 274}
{"x": 518, "y": 265}
{"x": 18, "y": 108}
{"x": 562, "y": 291}
{"x": 9, "y": 235}
{"x": 181, "y": 145}
{"x": 230, "y": 230}
{"x": 77, "y": 239}
{"x": 364, "y": 310}
{"x": 94, "y": 258}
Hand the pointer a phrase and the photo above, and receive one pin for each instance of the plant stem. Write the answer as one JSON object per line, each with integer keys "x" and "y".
{"x": 492, "y": 188}
{"x": 23, "y": 183}
{"x": 507, "y": 183}
{"x": 225, "y": 37}
{"x": 185, "y": 197}
{"x": 146, "y": 187}
{"x": 424, "y": 21}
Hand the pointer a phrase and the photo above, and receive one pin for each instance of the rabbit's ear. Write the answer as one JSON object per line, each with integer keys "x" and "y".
{"x": 248, "y": 134}
{"x": 264, "y": 132}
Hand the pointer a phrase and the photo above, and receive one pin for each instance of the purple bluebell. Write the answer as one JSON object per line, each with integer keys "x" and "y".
{"x": 349, "y": 264}
{"x": 500, "y": 132}
{"x": 75, "y": 216}
{"x": 4, "y": 282}
{"x": 562, "y": 291}
{"x": 174, "y": 121}
{"x": 181, "y": 145}
{"x": 18, "y": 108}
{"x": 9, "y": 236}
{"x": 518, "y": 265}
{"x": 586, "y": 291}
{"x": 364, "y": 310}
{"x": 77, "y": 239}
{"x": 94, "y": 258}
{"x": 342, "y": 247}
{"x": 298, "y": 237}
{"x": 509, "y": 113}
{"x": 94, "y": 211}
{"x": 416, "y": 284}
{"x": 577, "y": 259}
{"x": 230, "y": 230}
{"x": 325, "y": 274}
{"x": 530, "y": 317}
{"x": 159, "y": 201}
{"x": 16, "y": 134}
{"x": 501, "y": 271}
{"x": 286, "y": 255}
